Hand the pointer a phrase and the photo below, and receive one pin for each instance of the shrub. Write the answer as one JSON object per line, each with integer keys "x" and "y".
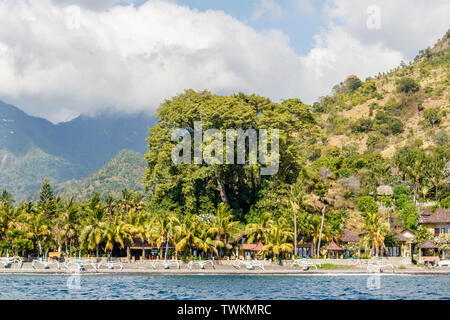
{"x": 388, "y": 124}
{"x": 445, "y": 203}
{"x": 409, "y": 215}
{"x": 441, "y": 138}
{"x": 432, "y": 116}
{"x": 375, "y": 142}
{"x": 367, "y": 205}
{"x": 407, "y": 85}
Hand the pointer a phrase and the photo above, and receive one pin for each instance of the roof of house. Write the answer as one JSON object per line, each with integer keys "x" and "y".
{"x": 254, "y": 246}
{"x": 350, "y": 236}
{"x": 333, "y": 246}
{"x": 439, "y": 216}
{"x": 401, "y": 238}
{"x": 407, "y": 233}
{"x": 428, "y": 245}
{"x": 385, "y": 191}
{"x": 138, "y": 243}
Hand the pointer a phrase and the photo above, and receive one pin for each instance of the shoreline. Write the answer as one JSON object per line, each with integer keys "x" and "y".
{"x": 269, "y": 270}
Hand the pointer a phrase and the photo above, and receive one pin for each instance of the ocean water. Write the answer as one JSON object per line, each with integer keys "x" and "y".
{"x": 218, "y": 287}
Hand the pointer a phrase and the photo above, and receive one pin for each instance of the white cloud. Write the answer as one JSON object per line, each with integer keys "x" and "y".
{"x": 303, "y": 6}
{"x": 267, "y": 9}
{"x": 131, "y": 58}
{"x": 406, "y": 25}
{"x": 336, "y": 55}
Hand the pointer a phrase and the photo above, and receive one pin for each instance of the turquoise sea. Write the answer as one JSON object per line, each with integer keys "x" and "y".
{"x": 251, "y": 287}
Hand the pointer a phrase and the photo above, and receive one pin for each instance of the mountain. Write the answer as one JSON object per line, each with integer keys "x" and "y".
{"x": 124, "y": 171}
{"x": 32, "y": 148}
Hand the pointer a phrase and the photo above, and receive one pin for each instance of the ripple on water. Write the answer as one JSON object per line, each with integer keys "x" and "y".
{"x": 222, "y": 287}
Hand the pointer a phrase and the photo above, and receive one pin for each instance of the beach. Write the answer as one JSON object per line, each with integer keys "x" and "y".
{"x": 225, "y": 268}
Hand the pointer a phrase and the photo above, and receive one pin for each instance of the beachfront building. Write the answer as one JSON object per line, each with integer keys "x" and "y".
{"x": 244, "y": 250}
{"x": 305, "y": 246}
{"x": 428, "y": 252}
{"x": 351, "y": 243}
{"x": 438, "y": 223}
{"x": 142, "y": 250}
{"x": 333, "y": 250}
{"x": 253, "y": 250}
{"x": 405, "y": 239}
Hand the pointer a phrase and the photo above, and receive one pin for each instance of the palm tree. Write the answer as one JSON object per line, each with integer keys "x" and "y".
{"x": 117, "y": 231}
{"x": 92, "y": 235}
{"x": 313, "y": 226}
{"x": 221, "y": 226}
{"x": 189, "y": 233}
{"x": 161, "y": 224}
{"x": 296, "y": 199}
{"x": 67, "y": 224}
{"x": 279, "y": 237}
{"x": 209, "y": 244}
{"x": 37, "y": 229}
{"x": 376, "y": 231}
{"x": 260, "y": 229}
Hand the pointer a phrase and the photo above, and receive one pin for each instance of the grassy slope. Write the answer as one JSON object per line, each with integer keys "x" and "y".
{"x": 432, "y": 73}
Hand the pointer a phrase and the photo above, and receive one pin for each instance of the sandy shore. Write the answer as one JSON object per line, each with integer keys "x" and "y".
{"x": 222, "y": 269}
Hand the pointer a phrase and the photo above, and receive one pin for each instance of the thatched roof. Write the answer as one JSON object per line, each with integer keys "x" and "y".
{"x": 351, "y": 182}
{"x": 333, "y": 246}
{"x": 426, "y": 213}
{"x": 401, "y": 238}
{"x": 428, "y": 245}
{"x": 385, "y": 190}
{"x": 439, "y": 216}
{"x": 325, "y": 173}
{"x": 350, "y": 236}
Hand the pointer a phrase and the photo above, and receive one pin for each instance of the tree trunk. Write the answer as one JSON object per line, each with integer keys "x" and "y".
{"x": 295, "y": 234}
{"x": 321, "y": 227}
{"x": 223, "y": 194}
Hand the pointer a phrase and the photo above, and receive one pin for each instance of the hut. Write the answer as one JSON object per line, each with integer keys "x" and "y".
{"x": 405, "y": 239}
{"x": 350, "y": 242}
{"x": 141, "y": 250}
{"x": 427, "y": 252}
{"x": 305, "y": 246}
{"x": 333, "y": 249}
{"x": 385, "y": 191}
{"x": 252, "y": 249}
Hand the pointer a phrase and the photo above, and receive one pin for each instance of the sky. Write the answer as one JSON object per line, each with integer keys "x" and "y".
{"x": 62, "y": 58}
